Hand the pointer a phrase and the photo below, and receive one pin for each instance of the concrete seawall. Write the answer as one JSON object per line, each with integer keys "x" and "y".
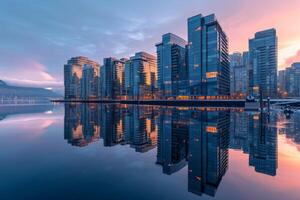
{"x": 194, "y": 103}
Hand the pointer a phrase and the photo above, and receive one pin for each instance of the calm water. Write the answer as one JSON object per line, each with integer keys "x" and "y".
{"x": 147, "y": 152}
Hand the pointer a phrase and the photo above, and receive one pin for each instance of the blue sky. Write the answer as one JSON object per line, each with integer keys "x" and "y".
{"x": 37, "y": 37}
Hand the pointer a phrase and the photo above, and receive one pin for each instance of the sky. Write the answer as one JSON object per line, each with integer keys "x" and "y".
{"x": 38, "y": 37}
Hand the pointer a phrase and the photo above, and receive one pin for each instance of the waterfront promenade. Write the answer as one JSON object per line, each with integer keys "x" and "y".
{"x": 236, "y": 103}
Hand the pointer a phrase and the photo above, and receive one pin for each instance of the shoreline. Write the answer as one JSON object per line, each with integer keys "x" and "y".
{"x": 183, "y": 103}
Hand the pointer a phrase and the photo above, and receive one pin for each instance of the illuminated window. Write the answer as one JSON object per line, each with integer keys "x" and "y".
{"x": 256, "y": 88}
{"x": 211, "y": 74}
{"x": 256, "y": 117}
{"x": 211, "y": 129}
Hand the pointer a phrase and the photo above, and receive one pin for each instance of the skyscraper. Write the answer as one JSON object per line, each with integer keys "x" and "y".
{"x": 140, "y": 76}
{"x": 112, "y": 73}
{"x": 73, "y": 75}
{"x": 208, "y": 61}
{"x": 263, "y": 61}
{"x": 89, "y": 82}
{"x": 235, "y": 60}
{"x": 295, "y": 80}
{"x": 281, "y": 83}
{"x": 238, "y": 75}
{"x": 128, "y": 84}
{"x": 172, "y": 68}
{"x": 289, "y": 80}
{"x": 247, "y": 65}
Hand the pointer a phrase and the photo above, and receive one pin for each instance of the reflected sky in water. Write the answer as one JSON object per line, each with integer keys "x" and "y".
{"x": 93, "y": 151}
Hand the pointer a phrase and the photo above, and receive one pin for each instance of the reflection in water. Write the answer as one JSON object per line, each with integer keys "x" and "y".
{"x": 81, "y": 124}
{"x": 6, "y": 110}
{"x": 290, "y": 128}
{"x": 198, "y": 138}
{"x": 208, "y": 152}
{"x": 172, "y": 149}
{"x": 255, "y": 135}
{"x": 128, "y": 125}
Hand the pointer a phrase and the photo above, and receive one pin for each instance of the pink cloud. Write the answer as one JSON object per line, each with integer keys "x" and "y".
{"x": 33, "y": 83}
{"x": 28, "y": 72}
{"x": 293, "y": 59}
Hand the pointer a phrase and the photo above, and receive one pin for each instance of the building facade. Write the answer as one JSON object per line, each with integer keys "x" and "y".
{"x": 208, "y": 61}
{"x": 89, "y": 82}
{"x": 263, "y": 60}
{"x": 281, "y": 83}
{"x": 140, "y": 76}
{"x": 73, "y": 72}
{"x": 289, "y": 81}
{"x": 172, "y": 67}
{"x": 247, "y": 65}
{"x": 238, "y": 75}
{"x": 112, "y": 78}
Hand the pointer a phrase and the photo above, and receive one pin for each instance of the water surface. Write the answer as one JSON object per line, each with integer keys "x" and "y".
{"x": 93, "y": 151}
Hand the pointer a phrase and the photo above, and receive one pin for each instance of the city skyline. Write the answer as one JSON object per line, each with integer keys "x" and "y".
{"x": 51, "y": 35}
{"x": 197, "y": 68}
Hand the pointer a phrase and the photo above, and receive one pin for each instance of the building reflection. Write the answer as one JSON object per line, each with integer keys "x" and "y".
{"x": 173, "y": 136}
{"x": 255, "y": 135}
{"x": 208, "y": 155}
{"x": 114, "y": 124}
{"x": 290, "y": 127}
{"x": 196, "y": 138}
{"x": 111, "y": 125}
{"x": 81, "y": 124}
{"x": 140, "y": 130}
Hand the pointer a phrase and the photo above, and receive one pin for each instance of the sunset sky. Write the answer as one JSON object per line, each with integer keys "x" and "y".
{"x": 38, "y": 37}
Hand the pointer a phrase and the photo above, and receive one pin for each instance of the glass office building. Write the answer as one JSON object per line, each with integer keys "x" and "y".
{"x": 289, "y": 80}
{"x": 73, "y": 72}
{"x": 140, "y": 78}
{"x": 172, "y": 68}
{"x": 263, "y": 60}
{"x": 112, "y": 77}
{"x": 208, "y": 61}
{"x": 89, "y": 82}
{"x": 238, "y": 75}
